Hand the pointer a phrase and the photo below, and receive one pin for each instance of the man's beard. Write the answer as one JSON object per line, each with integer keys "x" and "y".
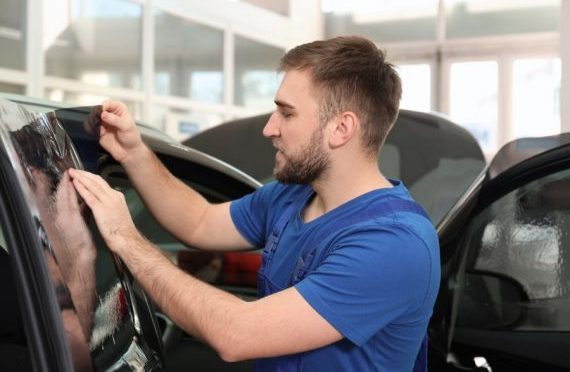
{"x": 307, "y": 165}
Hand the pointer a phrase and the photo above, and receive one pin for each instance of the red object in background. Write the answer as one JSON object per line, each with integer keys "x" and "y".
{"x": 236, "y": 268}
{"x": 241, "y": 269}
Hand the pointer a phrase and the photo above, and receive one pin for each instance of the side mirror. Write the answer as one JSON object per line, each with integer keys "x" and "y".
{"x": 490, "y": 301}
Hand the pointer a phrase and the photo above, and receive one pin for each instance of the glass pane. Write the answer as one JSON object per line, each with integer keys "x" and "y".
{"x": 524, "y": 237}
{"x": 381, "y": 20}
{"x": 12, "y": 31}
{"x": 416, "y": 87}
{"x": 226, "y": 269}
{"x": 256, "y": 80}
{"x": 536, "y": 97}
{"x": 12, "y": 88}
{"x": 182, "y": 124}
{"x": 276, "y": 6}
{"x": 471, "y": 18}
{"x": 473, "y": 100}
{"x": 188, "y": 59}
{"x": 94, "y": 41}
{"x": 90, "y": 99}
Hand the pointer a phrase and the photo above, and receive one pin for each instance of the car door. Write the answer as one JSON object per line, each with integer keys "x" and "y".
{"x": 79, "y": 308}
{"x": 506, "y": 287}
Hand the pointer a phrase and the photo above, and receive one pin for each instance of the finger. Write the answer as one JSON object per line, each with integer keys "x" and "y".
{"x": 113, "y": 120}
{"x": 92, "y": 182}
{"x": 87, "y": 196}
{"x": 114, "y": 106}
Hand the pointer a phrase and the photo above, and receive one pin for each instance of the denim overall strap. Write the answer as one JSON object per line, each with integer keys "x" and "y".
{"x": 285, "y": 363}
{"x": 265, "y": 286}
{"x": 307, "y": 262}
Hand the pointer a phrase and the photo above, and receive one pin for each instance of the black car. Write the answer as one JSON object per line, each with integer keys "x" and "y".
{"x": 68, "y": 303}
{"x": 504, "y": 299}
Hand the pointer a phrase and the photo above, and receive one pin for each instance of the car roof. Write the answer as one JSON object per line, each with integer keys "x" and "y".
{"x": 156, "y": 139}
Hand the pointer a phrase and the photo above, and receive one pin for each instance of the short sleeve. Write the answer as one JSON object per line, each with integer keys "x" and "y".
{"x": 373, "y": 277}
{"x": 254, "y": 213}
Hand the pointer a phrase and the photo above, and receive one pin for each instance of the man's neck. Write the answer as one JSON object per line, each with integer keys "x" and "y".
{"x": 341, "y": 185}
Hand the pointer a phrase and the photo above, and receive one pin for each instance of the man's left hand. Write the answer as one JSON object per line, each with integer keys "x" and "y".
{"x": 109, "y": 209}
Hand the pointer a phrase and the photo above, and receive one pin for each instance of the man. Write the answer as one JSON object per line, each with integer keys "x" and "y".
{"x": 351, "y": 265}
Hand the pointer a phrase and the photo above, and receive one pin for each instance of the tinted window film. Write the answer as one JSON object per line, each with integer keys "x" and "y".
{"x": 518, "y": 267}
{"x": 97, "y": 305}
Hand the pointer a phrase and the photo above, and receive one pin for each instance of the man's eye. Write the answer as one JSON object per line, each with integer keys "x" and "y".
{"x": 286, "y": 114}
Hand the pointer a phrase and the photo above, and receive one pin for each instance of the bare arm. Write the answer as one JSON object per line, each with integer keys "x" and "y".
{"x": 178, "y": 208}
{"x": 280, "y": 324}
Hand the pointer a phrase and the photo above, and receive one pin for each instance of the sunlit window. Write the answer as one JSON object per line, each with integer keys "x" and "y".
{"x": 12, "y": 27}
{"x": 536, "y": 97}
{"x": 469, "y": 18}
{"x": 181, "y": 124}
{"x": 95, "y": 42}
{"x": 188, "y": 59}
{"x": 416, "y": 87}
{"x": 473, "y": 100}
{"x": 381, "y": 20}
{"x": 256, "y": 78}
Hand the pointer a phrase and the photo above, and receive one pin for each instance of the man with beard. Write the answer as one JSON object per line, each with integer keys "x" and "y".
{"x": 350, "y": 266}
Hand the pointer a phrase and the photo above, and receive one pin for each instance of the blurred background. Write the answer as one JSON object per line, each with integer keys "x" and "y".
{"x": 498, "y": 67}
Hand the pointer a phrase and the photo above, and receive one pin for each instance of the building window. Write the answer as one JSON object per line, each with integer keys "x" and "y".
{"x": 94, "y": 41}
{"x": 12, "y": 31}
{"x": 188, "y": 59}
{"x": 536, "y": 97}
{"x": 473, "y": 100}
{"x": 256, "y": 79}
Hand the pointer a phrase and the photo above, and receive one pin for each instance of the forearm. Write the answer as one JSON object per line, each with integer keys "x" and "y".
{"x": 203, "y": 311}
{"x": 176, "y": 206}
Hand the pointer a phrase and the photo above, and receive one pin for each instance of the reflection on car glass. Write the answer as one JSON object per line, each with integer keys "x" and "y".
{"x": 44, "y": 152}
{"x": 95, "y": 310}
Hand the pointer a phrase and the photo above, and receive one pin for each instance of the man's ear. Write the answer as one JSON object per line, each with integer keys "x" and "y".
{"x": 344, "y": 129}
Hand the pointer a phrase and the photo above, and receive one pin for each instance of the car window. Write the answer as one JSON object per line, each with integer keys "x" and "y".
{"x": 518, "y": 267}
{"x": 98, "y": 309}
{"x": 237, "y": 270}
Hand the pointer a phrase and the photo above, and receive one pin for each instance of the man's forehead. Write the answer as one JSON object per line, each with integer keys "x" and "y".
{"x": 295, "y": 87}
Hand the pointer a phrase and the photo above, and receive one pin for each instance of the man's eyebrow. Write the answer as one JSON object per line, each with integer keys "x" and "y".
{"x": 284, "y": 104}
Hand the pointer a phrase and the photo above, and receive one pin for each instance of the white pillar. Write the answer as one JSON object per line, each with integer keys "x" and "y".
{"x": 35, "y": 48}
{"x": 565, "y": 58}
{"x": 307, "y": 20}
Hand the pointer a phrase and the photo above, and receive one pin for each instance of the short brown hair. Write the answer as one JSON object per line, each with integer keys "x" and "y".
{"x": 351, "y": 74}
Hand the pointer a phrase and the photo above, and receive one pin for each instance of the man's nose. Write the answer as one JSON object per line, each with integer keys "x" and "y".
{"x": 271, "y": 128}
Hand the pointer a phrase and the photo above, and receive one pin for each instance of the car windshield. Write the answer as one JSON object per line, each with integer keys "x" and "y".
{"x": 436, "y": 159}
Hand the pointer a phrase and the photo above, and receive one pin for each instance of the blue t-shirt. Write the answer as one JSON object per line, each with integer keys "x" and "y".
{"x": 376, "y": 285}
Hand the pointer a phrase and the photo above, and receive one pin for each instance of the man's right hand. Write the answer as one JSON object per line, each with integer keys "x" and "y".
{"x": 119, "y": 134}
